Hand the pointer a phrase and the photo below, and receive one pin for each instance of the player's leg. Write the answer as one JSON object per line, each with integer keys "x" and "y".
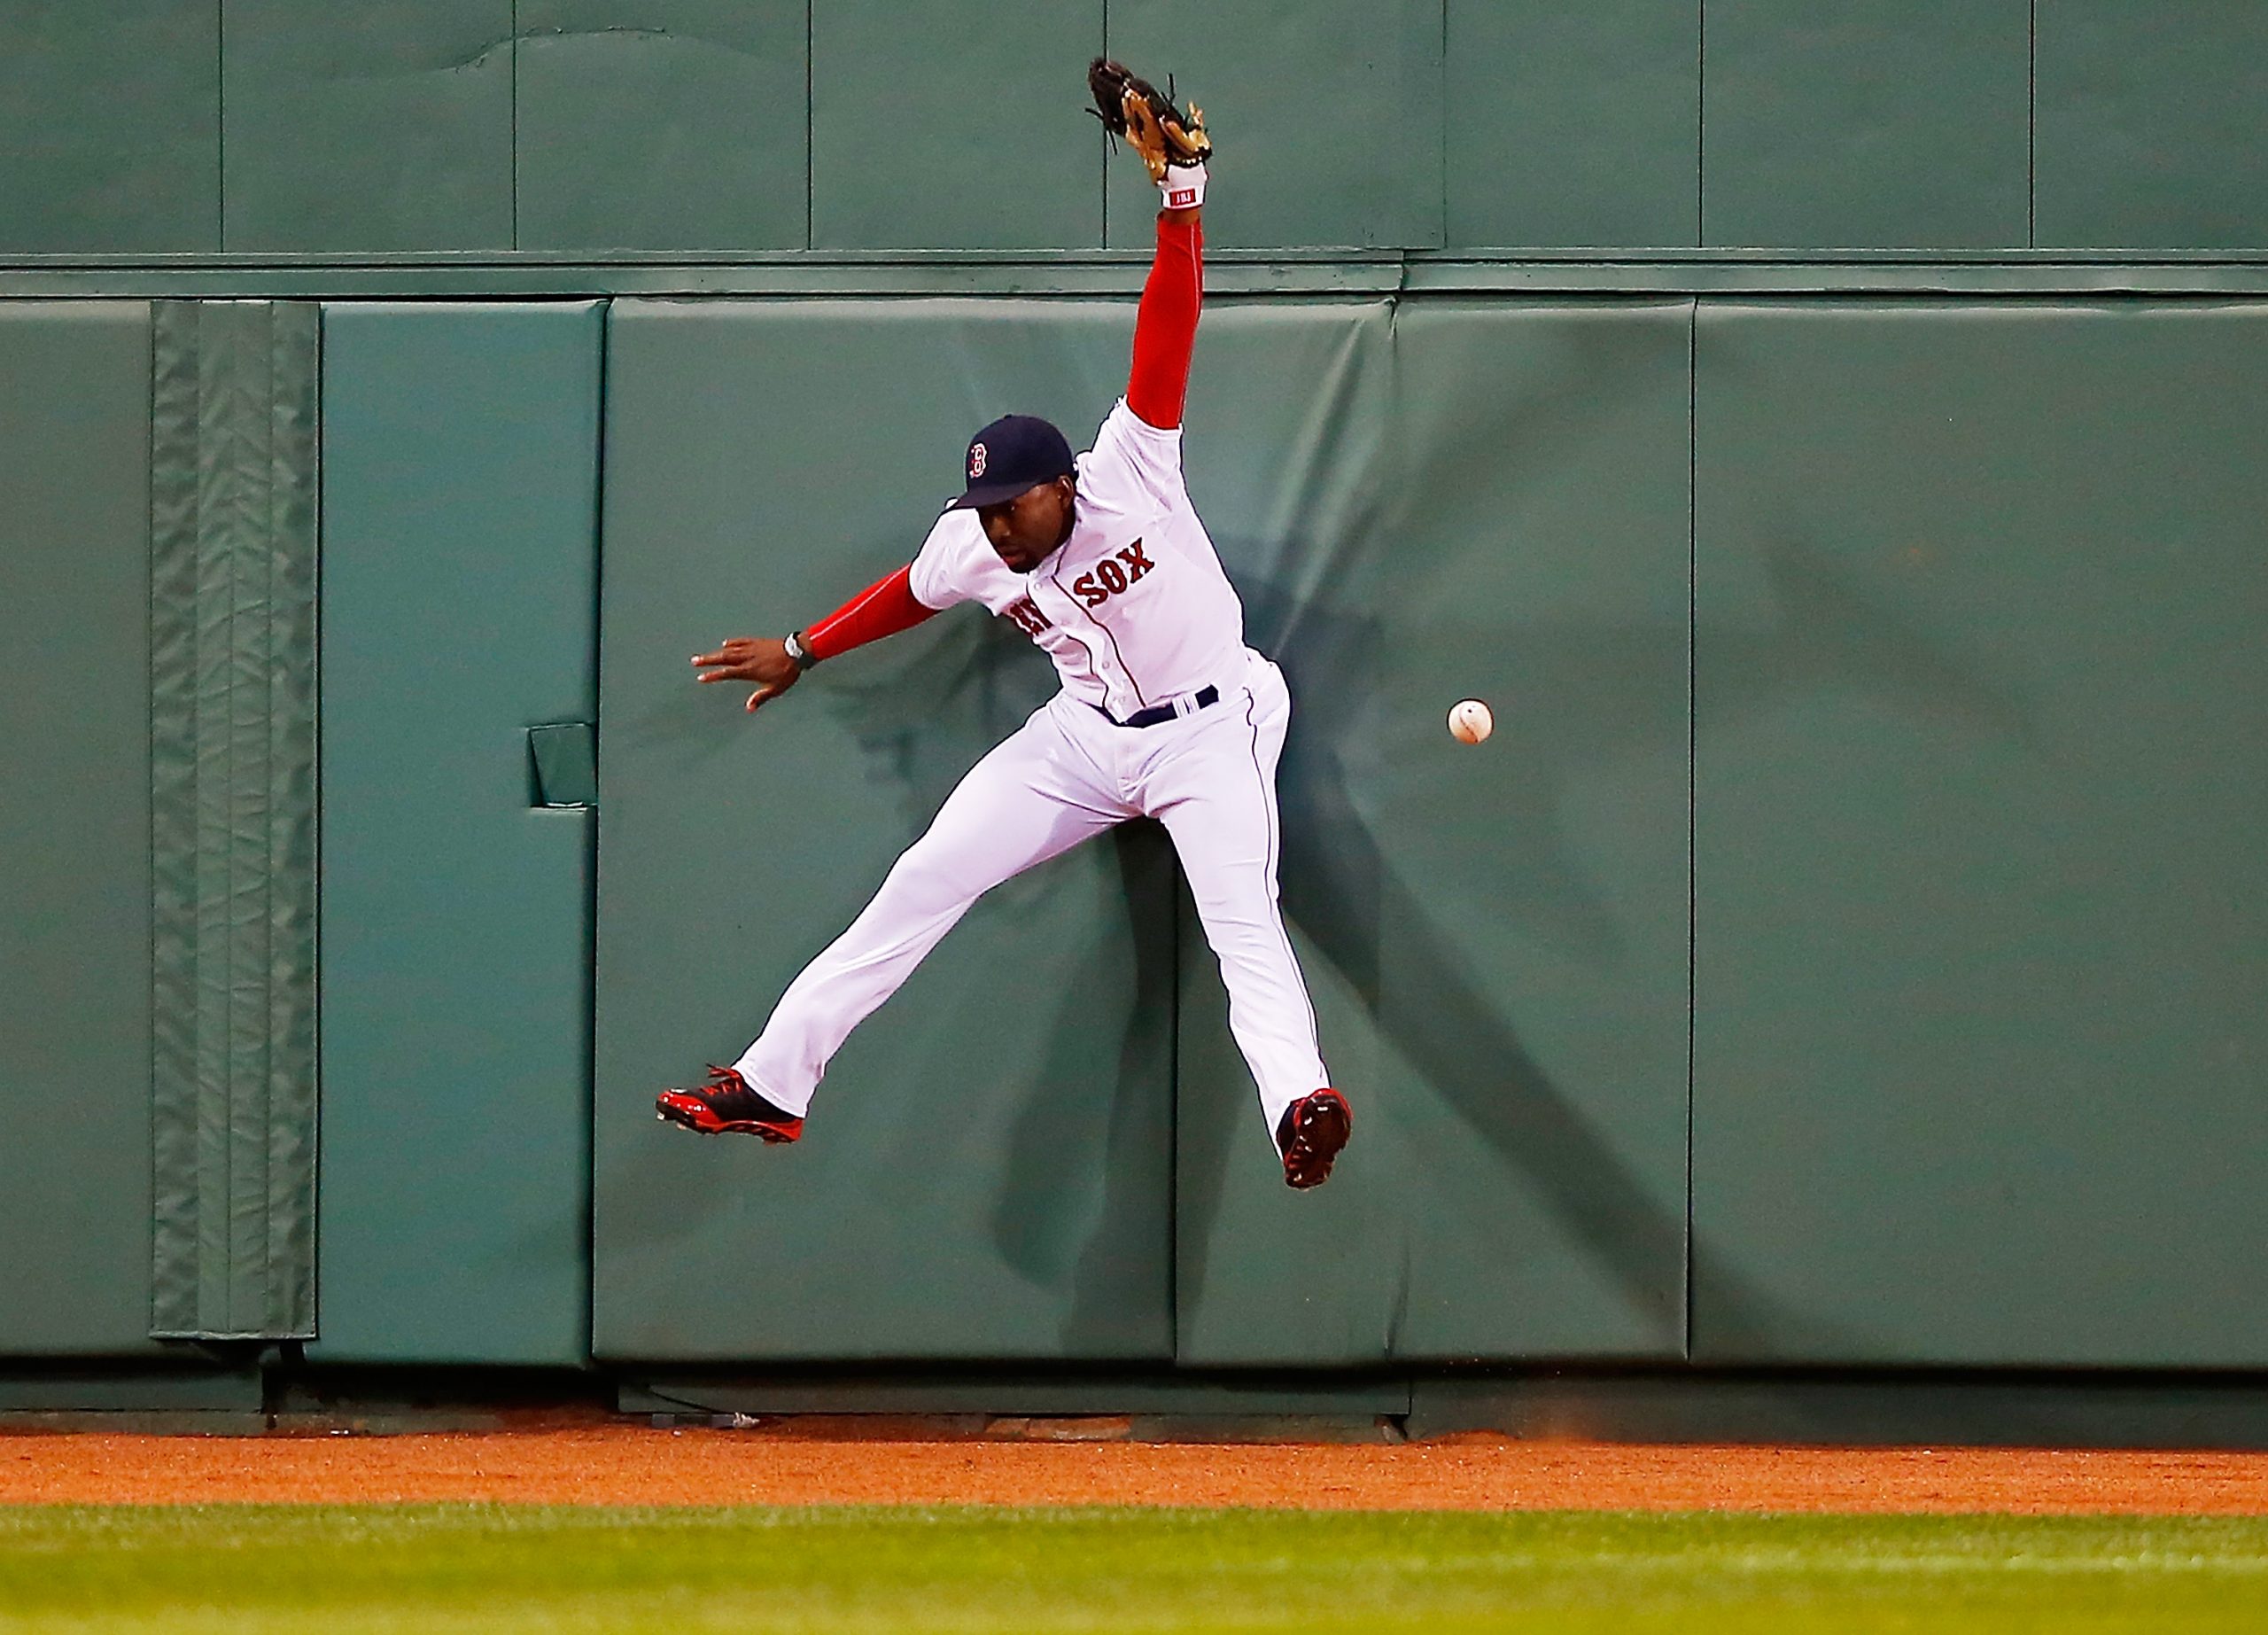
{"x": 1217, "y": 798}
{"x": 1031, "y": 799}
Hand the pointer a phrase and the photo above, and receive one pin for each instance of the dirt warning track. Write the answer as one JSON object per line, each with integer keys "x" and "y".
{"x": 633, "y": 1465}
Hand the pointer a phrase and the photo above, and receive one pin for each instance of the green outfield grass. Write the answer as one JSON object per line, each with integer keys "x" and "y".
{"x": 483, "y": 1568}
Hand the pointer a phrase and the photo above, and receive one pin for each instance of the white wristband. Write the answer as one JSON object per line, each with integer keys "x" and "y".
{"x": 1183, "y": 188}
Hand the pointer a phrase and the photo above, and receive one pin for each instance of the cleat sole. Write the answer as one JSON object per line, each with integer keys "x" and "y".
{"x": 1321, "y": 1133}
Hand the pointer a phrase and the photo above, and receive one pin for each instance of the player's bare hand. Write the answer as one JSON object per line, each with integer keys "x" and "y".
{"x": 761, "y": 659}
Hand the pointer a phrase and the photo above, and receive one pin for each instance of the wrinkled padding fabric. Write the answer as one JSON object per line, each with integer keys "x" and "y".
{"x": 232, "y": 636}
{"x": 1421, "y": 501}
{"x": 1044, "y": 1145}
{"x": 987, "y": 1171}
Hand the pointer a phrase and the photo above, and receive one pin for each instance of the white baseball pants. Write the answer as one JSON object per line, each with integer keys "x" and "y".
{"x": 1064, "y": 776}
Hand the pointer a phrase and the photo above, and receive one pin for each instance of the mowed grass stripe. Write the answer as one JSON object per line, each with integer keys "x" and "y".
{"x": 479, "y": 1568}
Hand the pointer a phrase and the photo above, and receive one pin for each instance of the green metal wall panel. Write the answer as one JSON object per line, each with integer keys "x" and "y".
{"x": 2150, "y": 126}
{"x": 74, "y": 828}
{"x": 661, "y": 125}
{"x": 955, "y": 125}
{"x": 407, "y": 125}
{"x": 986, "y": 1171}
{"x": 1263, "y": 75}
{"x": 384, "y": 125}
{"x": 1980, "y": 892}
{"x": 110, "y": 117}
{"x": 1875, "y": 123}
{"x": 460, "y": 514}
{"x": 1459, "y": 500}
{"x": 1572, "y": 125}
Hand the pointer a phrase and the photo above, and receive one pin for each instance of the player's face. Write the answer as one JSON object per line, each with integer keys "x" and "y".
{"x": 1023, "y": 530}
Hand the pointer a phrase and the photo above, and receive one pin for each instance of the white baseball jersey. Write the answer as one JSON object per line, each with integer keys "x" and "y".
{"x": 1133, "y": 607}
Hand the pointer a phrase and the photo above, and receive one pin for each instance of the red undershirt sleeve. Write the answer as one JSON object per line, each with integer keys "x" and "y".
{"x": 1165, "y": 329}
{"x": 883, "y": 609}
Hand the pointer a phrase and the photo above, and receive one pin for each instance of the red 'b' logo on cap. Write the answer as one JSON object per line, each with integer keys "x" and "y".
{"x": 976, "y": 461}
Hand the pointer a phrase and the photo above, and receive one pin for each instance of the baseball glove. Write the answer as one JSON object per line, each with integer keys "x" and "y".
{"x": 1129, "y": 107}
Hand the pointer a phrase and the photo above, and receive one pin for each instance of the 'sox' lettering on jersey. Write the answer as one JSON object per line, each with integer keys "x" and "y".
{"x": 1111, "y": 575}
{"x": 1026, "y": 616}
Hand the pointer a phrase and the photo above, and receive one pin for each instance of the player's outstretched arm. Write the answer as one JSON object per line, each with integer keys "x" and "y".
{"x": 1165, "y": 327}
{"x": 1175, "y": 148}
{"x": 775, "y": 664}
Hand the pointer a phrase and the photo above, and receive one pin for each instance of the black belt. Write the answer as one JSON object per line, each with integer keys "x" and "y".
{"x": 1204, "y": 699}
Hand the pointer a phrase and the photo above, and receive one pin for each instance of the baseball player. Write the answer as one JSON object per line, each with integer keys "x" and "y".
{"x": 1163, "y": 712}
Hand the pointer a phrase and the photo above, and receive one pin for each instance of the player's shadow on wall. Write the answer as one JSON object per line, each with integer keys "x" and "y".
{"x": 1074, "y": 1207}
{"x": 1090, "y": 1187}
{"x": 1342, "y": 888}
{"x": 1602, "y": 688}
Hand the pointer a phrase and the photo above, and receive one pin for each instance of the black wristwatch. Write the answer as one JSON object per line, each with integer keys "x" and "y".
{"x": 798, "y": 655}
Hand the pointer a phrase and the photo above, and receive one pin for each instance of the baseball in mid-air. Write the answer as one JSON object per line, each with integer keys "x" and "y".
{"x": 1470, "y": 721}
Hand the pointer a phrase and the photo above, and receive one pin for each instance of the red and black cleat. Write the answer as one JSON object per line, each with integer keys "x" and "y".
{"x": 1309, "y": 1135}
{"x": 726, "y": 1106}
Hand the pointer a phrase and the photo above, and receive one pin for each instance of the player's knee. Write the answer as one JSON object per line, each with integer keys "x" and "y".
{"x": 923, "y": 884}
{"x": 1248, "y": 913}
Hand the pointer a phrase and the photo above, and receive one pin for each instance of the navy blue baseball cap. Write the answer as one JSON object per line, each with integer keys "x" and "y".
{"x": 1015, "y": 452}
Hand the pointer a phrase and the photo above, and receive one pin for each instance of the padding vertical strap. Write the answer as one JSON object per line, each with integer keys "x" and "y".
{"x": 233, "y": 493}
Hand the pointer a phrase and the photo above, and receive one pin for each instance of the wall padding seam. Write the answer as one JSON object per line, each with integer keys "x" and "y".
{"x": 232, "y": 663}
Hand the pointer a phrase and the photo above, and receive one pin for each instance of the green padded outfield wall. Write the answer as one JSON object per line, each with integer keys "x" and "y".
{"x": 234, "y": 476}
{"x": 74, "y": 828}
{"x": 987, "y": 1168}
{"x": 1457, "y": 500}
{"x": 1981, "y": 1004}
{"x": 1978, "y": 784}
{"x": 459, "y": 602}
